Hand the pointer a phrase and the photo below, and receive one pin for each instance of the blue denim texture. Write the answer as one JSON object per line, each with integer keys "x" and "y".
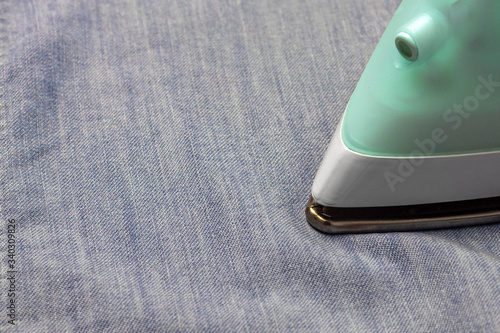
{"x": 158, "y": 155}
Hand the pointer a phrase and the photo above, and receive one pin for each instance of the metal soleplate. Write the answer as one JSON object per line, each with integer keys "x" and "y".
{"x": 402, "y": 218}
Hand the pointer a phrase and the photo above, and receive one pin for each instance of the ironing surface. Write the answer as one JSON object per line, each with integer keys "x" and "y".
{"x": 156, "y": 157}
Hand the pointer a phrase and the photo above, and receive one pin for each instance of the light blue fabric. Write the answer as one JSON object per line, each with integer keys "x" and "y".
{"x": 157, "y": 157}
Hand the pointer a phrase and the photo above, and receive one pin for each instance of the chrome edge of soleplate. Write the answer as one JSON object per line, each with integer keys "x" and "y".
{"x": 402, "y": 218}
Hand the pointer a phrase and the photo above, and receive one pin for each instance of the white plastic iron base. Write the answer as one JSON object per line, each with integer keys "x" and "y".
{"x": 350, "y": 179}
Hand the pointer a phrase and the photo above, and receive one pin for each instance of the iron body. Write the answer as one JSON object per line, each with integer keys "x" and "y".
{"x": 419, "y": 145}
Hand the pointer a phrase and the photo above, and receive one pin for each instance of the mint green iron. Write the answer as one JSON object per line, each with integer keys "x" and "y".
{"x": 419, "y": 145}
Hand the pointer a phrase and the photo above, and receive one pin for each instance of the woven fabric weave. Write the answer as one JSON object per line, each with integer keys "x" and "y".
{"x": 157, "y": 157}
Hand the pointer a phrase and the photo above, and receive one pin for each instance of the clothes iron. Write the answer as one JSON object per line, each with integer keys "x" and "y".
{"x": 419, "y": 144}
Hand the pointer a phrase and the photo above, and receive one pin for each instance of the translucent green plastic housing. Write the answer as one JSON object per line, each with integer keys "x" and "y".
{"x": 432, "y": 86}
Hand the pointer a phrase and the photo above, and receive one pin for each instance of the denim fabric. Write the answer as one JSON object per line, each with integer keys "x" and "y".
{"x": 157, "y": 157}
